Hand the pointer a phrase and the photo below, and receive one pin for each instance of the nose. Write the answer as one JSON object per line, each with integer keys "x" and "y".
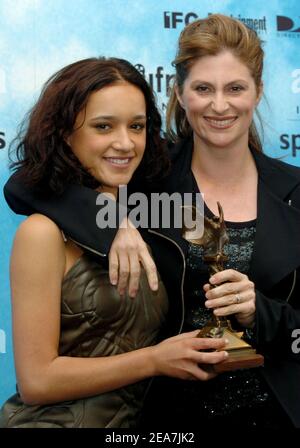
{"x": 220, "y": 103}
{"x": 122, "y": 141}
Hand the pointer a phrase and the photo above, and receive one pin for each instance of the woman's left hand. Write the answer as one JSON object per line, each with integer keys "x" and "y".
{"x": 233, "y": 293}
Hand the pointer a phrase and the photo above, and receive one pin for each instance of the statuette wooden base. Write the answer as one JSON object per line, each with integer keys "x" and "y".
{"x": 240, "y": 354}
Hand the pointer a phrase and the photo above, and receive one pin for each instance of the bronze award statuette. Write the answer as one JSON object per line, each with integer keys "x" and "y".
{"x": 241, "y": 354}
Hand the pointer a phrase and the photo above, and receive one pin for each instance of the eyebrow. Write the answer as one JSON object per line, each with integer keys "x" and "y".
{"x": 230, "y": 82}
{"x": 113, "y": 117}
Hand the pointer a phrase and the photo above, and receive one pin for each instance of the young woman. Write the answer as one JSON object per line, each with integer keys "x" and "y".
{"x": 216, "y": 150}
{"x": 82, "y": 350}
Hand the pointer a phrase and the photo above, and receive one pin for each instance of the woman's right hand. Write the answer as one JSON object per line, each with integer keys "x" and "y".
{"x": 128, "y": 251}
{"x": 181, "y": 356}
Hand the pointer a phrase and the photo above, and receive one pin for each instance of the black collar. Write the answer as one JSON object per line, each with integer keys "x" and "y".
{"x": 277, "y": 241}
{"x": 280, "y": 178}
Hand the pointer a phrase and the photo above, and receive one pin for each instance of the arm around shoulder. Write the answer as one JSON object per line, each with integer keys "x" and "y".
{"x": 74, "y": 211}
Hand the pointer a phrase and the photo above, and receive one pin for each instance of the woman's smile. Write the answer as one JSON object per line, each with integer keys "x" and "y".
{"x": 220, "y": 122}
{"x": 119, "y": 162}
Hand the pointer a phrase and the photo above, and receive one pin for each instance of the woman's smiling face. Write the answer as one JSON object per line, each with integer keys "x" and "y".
{"x": 109, "y": 136}
{"x": 219, "y": 97}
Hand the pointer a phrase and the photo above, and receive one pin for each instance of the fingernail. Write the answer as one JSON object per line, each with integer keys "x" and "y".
{"x": 226, "y": 354}
{"x": 113, "y": 281}
{"x": 226, "y": 341}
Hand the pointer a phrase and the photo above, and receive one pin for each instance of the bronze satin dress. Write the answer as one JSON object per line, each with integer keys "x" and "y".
{"x": 96, "y": 321}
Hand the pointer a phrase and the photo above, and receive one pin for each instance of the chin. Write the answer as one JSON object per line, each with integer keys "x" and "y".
{"x": 223, "y": 145}
{"x": 219, "y": 144}
{"x": 122, "y": 180}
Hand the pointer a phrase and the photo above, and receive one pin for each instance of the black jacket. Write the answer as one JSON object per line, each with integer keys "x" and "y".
{"x": 275, "y": 266}
{"x": 274, "y": 269}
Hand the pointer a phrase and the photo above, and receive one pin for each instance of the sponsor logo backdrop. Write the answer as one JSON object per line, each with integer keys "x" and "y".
{"x": 37, "y": 37}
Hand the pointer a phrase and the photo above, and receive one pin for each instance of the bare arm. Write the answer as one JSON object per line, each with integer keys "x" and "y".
{"x": 37, "y": 270}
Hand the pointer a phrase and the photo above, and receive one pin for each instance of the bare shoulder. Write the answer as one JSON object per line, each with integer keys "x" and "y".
{"x": 39, "y": 240}
{"x": 38, "y": 228}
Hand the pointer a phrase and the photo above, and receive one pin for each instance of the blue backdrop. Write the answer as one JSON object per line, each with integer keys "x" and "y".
{"x": 37, "y": 37}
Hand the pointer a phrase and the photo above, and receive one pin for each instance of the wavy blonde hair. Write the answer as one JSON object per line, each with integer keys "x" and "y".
{"x": 209, "y": 37}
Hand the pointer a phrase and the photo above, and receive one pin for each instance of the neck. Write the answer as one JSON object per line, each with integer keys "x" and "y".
{"x": 223, "y": 166}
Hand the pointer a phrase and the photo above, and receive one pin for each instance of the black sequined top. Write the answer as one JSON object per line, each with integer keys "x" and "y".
{"x": 238, "y": 250}
{"x": 230, "y": 393}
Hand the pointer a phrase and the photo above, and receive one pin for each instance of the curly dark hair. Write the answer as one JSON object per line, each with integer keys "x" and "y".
{"x": 43, "y": 158}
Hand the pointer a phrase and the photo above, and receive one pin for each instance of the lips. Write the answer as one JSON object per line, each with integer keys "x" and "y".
{"x": 221, "y": 123}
